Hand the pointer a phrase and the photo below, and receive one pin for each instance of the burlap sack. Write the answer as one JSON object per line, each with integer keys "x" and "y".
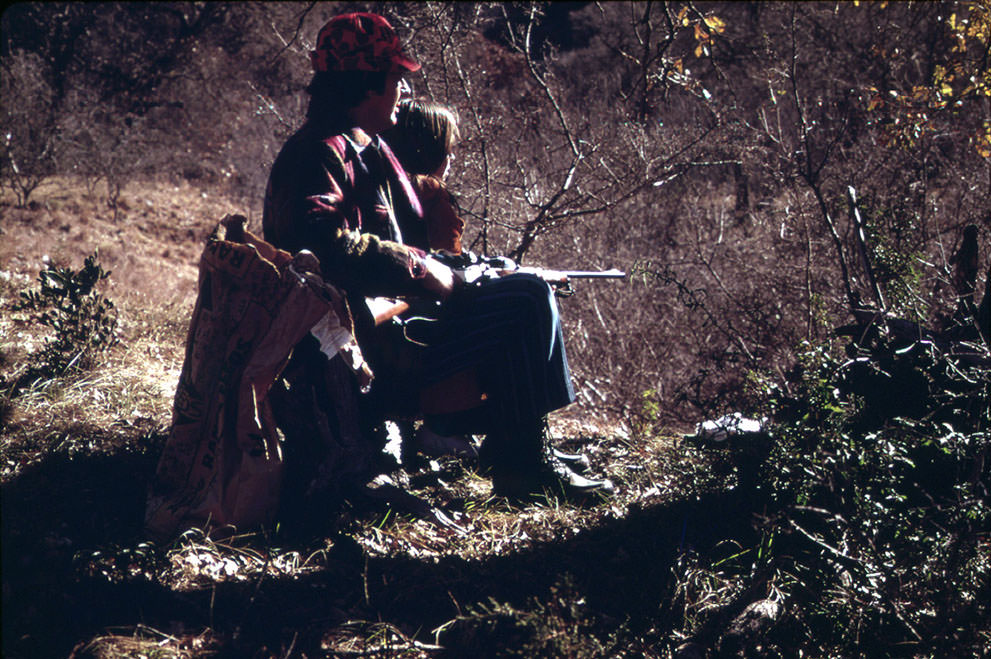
{"x": 223, "y": 465}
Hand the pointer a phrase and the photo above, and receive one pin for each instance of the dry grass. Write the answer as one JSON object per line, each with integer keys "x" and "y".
{"x": 76, "y": 454}
{"x": 147, "y": 643}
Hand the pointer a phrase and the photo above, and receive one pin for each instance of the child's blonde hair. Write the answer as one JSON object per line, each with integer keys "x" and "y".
{"x": 424, "y": 135}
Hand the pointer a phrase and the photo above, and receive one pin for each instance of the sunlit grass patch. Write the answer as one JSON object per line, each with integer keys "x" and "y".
{"x": 374, "y": 639}
{"x": 144, "y": 642}
{"x": 96, "y": 413}
{"x": 196, "y": 561}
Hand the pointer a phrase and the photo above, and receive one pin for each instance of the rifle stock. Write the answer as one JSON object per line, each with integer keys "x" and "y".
{"x": 385, "y": 309}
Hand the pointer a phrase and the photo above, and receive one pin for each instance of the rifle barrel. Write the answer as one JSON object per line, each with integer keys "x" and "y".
{"x": 594, "y": 274}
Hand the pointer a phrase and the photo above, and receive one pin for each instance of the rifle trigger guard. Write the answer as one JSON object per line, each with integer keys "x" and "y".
{"x": 424, "y": 337}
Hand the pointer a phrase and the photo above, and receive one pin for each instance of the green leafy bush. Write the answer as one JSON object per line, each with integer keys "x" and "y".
{"x": 83, "y": 321}
{"x": 875, "y": 490}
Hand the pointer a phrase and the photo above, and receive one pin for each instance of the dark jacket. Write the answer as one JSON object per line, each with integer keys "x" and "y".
{"x": 325, "y": 196}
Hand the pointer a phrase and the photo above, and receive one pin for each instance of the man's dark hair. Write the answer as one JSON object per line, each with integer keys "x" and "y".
{"x": 333, "y": 93}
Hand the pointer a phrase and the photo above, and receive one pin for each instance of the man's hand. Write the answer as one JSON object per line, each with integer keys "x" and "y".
{"x": 439, "y": 278}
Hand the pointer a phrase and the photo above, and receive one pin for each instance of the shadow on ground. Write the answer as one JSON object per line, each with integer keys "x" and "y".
{"x": 62, "y": 509}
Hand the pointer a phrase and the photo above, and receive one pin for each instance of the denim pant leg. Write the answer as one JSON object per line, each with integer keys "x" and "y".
{"x": 510, "y": 331}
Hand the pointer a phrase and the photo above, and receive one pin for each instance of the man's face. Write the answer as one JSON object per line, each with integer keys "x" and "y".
{"x": 378, "y": 111}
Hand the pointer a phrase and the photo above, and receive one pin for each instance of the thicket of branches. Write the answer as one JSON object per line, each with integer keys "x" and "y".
{"x": 706, "y": 148}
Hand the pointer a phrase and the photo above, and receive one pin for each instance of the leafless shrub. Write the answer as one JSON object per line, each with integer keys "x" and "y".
{"x": 28, "y": 128}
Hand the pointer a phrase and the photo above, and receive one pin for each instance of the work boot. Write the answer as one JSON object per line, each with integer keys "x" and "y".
{"x": 523, "y": 465}
{"x": 576, "y": 462}
{"x": 552, "y": 478}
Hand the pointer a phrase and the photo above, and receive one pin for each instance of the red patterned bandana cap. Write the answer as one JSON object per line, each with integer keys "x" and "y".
{"x": 360, "y": 42}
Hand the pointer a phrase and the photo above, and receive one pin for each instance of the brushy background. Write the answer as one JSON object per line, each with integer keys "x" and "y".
{"x": 711, "y": 150}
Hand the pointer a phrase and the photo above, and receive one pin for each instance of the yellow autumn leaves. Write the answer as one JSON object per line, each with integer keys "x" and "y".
{"x": 964, "y": 74}
{"x": 704, "y": 26}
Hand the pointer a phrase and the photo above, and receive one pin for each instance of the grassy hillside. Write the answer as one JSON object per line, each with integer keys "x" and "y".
{"x": 800, "y": 193}
{"x": 78, "y": 451}
{"x": 845, "y": 523}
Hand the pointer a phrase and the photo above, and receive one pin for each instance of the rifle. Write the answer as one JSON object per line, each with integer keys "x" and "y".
{"x": 470, "y": 268}
{"x": 563, "y": 276}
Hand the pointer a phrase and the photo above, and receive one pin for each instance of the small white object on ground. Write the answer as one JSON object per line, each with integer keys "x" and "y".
{"x": 730, "y": 425}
